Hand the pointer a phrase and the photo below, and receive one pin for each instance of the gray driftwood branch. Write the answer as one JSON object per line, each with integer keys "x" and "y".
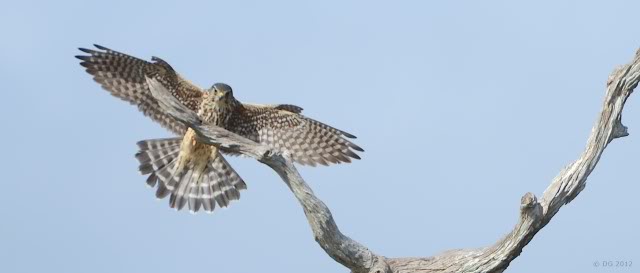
{"x": 534, "y": 213}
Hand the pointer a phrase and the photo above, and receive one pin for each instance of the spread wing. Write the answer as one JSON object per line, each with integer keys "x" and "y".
{"x": 307, "y": 141}
{"x": 124, "y": 77}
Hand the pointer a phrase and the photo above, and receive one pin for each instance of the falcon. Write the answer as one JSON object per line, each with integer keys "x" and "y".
{"x": 194, "y": 173}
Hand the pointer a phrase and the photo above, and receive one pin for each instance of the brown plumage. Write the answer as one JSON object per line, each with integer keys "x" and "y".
{"x": 194, "y": 173}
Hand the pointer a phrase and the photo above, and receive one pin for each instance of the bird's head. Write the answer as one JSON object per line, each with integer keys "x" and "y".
{"x": 221, "y": 92}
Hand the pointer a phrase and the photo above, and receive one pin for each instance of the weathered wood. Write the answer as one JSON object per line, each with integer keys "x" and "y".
{"x": 534, "y": 214}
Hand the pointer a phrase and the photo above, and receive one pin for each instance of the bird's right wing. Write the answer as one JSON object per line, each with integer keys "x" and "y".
{"x": 124, "y": 77}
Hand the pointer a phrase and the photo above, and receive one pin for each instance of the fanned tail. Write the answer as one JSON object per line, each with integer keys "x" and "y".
{"x": 217, "y": 182}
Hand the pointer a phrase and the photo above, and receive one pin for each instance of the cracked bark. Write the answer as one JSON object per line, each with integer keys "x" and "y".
{"x": 534, "y": 214}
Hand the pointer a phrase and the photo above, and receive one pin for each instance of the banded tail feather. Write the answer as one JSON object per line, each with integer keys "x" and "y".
{"x": 198, "y": 188}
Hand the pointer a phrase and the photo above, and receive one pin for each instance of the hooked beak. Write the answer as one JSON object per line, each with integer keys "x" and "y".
{"x": 222, "y": 94}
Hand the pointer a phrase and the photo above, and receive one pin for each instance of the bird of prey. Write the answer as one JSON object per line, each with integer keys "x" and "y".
{"x": 195, "y": 173}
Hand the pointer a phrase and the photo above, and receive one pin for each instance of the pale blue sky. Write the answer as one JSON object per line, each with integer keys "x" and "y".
{"x": 461, "y": 106}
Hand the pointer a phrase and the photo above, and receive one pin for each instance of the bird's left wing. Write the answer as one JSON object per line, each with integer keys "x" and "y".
{"x": 306, "y": 141}
{"x": 124, "y": 77}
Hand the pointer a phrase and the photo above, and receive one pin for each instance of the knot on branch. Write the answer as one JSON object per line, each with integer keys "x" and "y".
{"x": 529, "y": 200}
{"x": 379, "y": 265}
{"x": 619, "y": 130}
{"x": 529, "y": 206}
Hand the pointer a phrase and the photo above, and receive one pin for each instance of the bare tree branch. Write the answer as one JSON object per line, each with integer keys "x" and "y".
{"x": 534, "y": 214}
{"x": 340, "y": 247}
